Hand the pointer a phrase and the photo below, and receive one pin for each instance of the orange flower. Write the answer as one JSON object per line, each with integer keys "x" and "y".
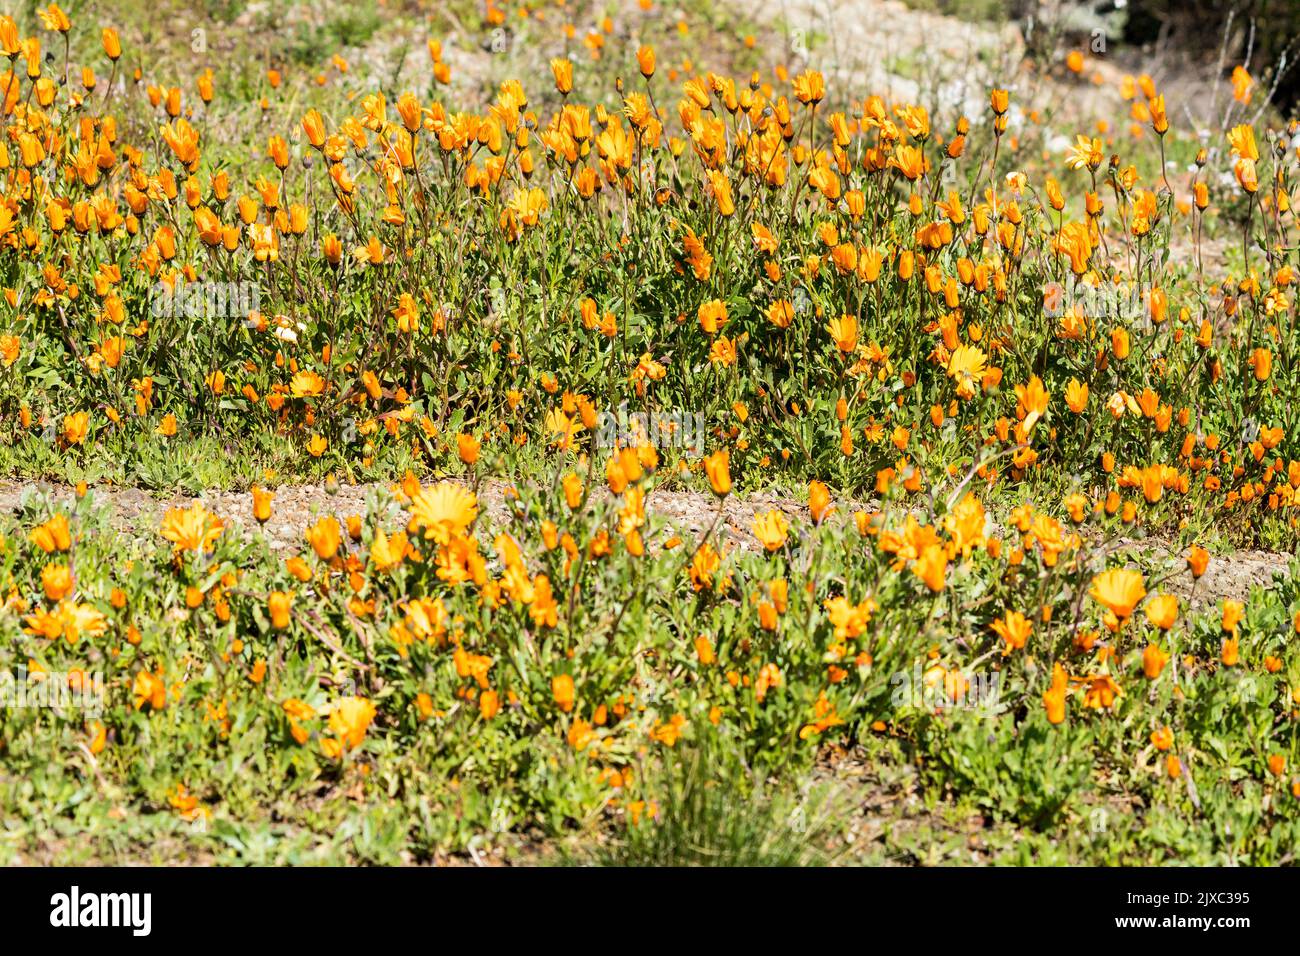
{"x": 1015, "y": 629}
{"x": 349, "y": 720}
{"x": 1075, "y": 241}
{"x": 192, "y": 529}
{"x": 262, "y": 504}
{"x": 1119, "y": 342}
{"x": 1261, "y": 360}
{"x": 314, "y": 128}
{"x": 1242, "y": 83}
{"x": 1153, "y": 661}
{"x": 112, "y": 44}
{"x": 844, "y": 331}
{"x": 324, "y": 537}
{"x": 1119, "y": 590}
{"x": 1099, "y": 691}
{"x": 645, "y": 60}
{"x": 467, "y": 448}
{"x": 932, "y": 567}
{"x": 1054, "y": 696}
{"x": 1162, "y": 611}
{"x": 562, "y": 691}
{"x": 75, "y": 427}
{"x": 580, "y": 734}
{"x": 716, "y": 467}
{"x": 712, "y": 316}
{"x": 562, "y": 70}
{"x": 1076, "y": 396}
{"x": 704, "y": 650}
{"x": 280, "y": 603}
{"x": 1233, "y": 612}
{"x": 53, "y": 535}
{"x": 819, "y": 501}
{"x": 1229, "y": 654}
{"x": 769, "y": 677}
{"x": 149, "y": 688}
{"x": 809, "y": 87}
{"x": 56, "y": 580}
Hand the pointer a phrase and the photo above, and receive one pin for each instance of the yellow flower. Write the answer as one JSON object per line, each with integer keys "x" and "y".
{"x": 305, "y": 384}
{"x": 1241, "y": 139}
{"x": 1085, "y": 152}
{"x": 55, "y": 19}
{"x": 192, "y": 529}
{"x": 966, "y": 366}
{"x": 770, "y": 529}
{"x": 387, "y": 553}
{"x": 443, "y": 511}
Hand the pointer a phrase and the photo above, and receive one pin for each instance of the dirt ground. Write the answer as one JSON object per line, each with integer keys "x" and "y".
{"x": 690, "y": 514}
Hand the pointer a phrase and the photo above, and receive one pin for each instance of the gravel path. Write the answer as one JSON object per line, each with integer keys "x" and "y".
{"x": 690, "y": 513}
